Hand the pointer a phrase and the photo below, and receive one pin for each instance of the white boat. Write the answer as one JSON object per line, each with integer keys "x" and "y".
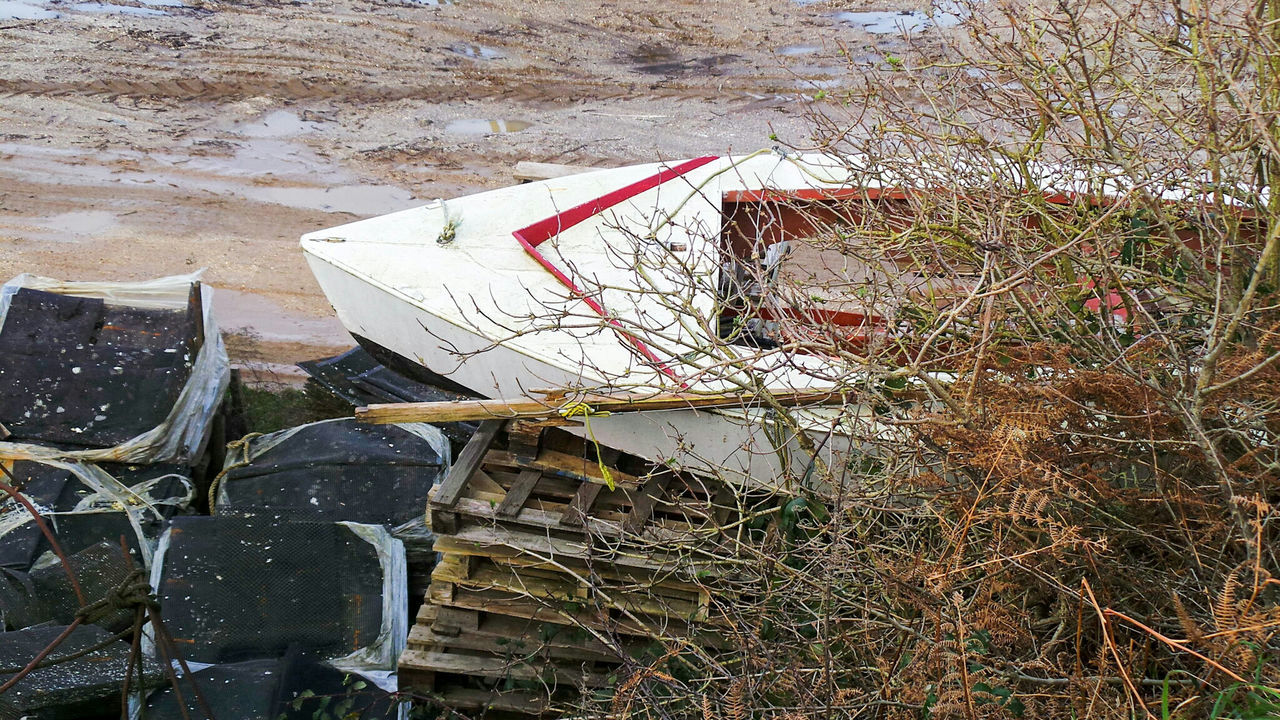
{"x": 610, "y": 280}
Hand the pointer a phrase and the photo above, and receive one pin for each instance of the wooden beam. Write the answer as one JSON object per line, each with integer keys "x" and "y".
{"x": 468, "y": 462}
{"x": 526, "y": 408}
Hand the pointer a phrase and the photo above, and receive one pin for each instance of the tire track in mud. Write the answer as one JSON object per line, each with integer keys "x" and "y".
{"x": 484, "y": 88}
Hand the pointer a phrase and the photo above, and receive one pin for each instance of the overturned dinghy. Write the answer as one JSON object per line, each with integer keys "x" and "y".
{"x": 334, "y": 470}
{"x": 619, "y": 281}
{"x": 236, "y": 589}
{"x": 108, "y": 372}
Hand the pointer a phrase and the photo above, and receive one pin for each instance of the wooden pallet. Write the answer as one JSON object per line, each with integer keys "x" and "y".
{"x": 549, "y": 580}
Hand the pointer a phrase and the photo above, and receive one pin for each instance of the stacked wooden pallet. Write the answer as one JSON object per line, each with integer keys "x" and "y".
{"x": 550, "y": 581}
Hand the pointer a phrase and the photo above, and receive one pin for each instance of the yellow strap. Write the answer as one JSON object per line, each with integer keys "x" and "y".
{"x": 580, "y": 409}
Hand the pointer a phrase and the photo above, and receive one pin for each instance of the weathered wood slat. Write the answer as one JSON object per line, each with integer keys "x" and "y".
{"x": 500, "y": 542}
{"x": 662, "y": 603}
{"x": 524, "y": 605}
{"x": 467, "y": 463}
{"x": 646, "y": 500}
{"x": 496, "y": 667}
{"x": 519, "y": 493}
{"x": 563, "y": 464}
{"x": 576, "y": 514}
{"x": 514, "y": 408}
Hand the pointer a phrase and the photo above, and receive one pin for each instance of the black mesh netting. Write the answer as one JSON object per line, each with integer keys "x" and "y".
{"x": 56, "y": 489}
{"x": 87, "y": 687}
{"x": 46, "y": 595}
{"x": 244, "y": 588}
{"x": 333, "y": 470}
{"x": 288, "y": 688}
{"x": 356, "y": 377}
{"x": 79, "y": 372}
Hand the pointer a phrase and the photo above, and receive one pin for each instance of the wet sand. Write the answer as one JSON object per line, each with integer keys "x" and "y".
{"x": 148, "y": 137}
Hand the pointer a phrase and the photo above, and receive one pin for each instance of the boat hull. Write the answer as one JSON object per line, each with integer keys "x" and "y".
{"x": 743, "y": 446}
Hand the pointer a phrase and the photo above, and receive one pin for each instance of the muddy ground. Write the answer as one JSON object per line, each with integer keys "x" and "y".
{"x": 149, "y": 137}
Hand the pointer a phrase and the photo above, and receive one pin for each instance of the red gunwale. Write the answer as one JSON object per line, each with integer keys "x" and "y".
{"x": 531, "y": 236}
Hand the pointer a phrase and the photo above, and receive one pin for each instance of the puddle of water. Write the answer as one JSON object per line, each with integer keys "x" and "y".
{"x": 83, "y": 224}
{"x": 25, "y": 10}
{"x": 362, "y": 200}
{"x": 65, "y": 227}
{"x": 798, "y": 50}
{"x": 477, "y": 126}
{"x": 824, "y": 84}
{"x": 270, "y": 321}
{"x": 261, "y": 163}
{"x": 475, "y": 52}
{"x": 897, "y": 22}
{"x": 278, "y": 124}
{"x": 103, "y": 8}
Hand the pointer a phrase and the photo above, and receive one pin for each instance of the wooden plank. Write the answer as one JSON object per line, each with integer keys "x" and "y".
{"x": 523, "y": 640}
{"x": 522, "y": 606}
{"x": 524, "y": 702}
{"x": 522, "y": 408}
{"x": 543, "y": 520}
{"x": 499, "y": 668}
{"x": 500, "y": 542}
{"x": 564, "y": 465}
{"x": 467, "y": 463}
{"x": 550, "y": 585}
{"x": 642, "y": 508}
{"x": 576, "y": 514}
{"x": 529, "y": 171}
{"x": 523, "y": 439}
{"x": 519, "y": 492}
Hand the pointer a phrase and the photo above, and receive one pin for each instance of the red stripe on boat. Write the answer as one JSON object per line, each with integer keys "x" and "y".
{"x": 531, "y": 236}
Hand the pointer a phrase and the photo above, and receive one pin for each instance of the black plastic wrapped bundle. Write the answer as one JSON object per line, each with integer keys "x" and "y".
{"x": 237, "y": 589}
{"x": 80, "y": 515}
{"x": 46, "y": 595}
{"x": 287, "y": 688}
{"x": 87, "y": 687}
{"x": 77, "y": 371}
{"x": 335, "y": 470}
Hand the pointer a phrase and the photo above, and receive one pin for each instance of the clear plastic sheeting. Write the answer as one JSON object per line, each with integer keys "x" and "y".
{"x": 335, "y": 470}
{"x": 235, "y": 589}
{"x": 87, "y": 504}
{"x": 183, "y": 431}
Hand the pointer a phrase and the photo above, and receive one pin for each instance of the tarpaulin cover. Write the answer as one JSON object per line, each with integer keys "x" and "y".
{"x": 334, "y": 470}
{"x": 87, "y": 687}
{"x": 288, "y": 688}
{"x": 87, "y": 504}
{"x": 108, "y": 372}
{"x": 238, "y": 589}
{"x": 356, "y": 377}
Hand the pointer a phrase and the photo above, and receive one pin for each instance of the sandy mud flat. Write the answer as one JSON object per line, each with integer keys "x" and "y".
{"x": 148, "y": 137}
